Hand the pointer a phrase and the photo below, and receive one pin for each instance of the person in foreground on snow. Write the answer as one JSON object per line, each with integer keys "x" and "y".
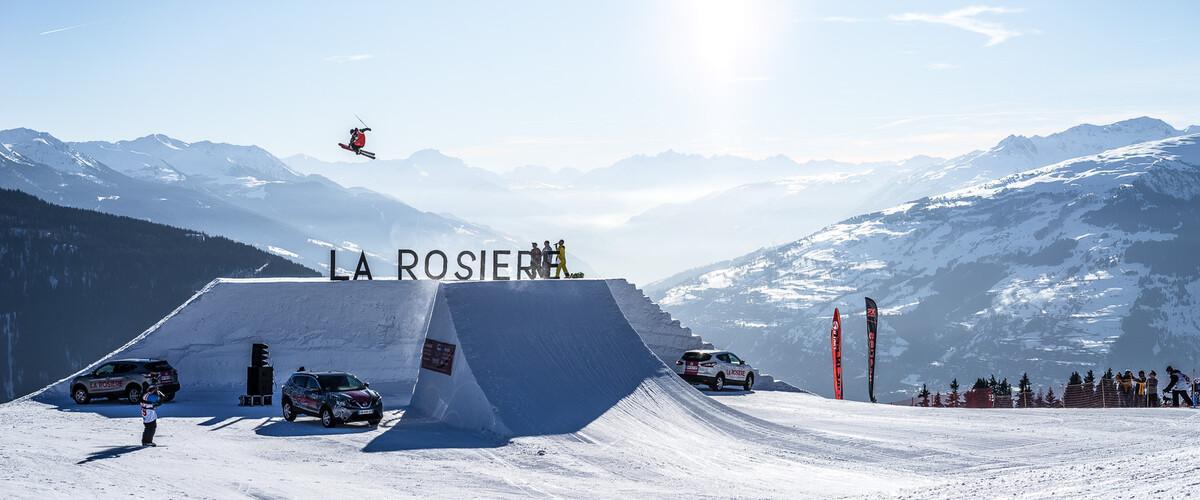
{"x": 151, "y": 400}
{"x": 1178, "y": 387}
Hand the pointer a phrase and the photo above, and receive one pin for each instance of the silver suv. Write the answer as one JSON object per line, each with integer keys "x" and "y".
{"x": 715, "y": 369}
{"x": 126, "y": 379}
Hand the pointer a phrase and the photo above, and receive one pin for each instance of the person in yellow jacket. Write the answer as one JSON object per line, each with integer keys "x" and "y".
{"x": 561, "y": 247}
{"x": 1140, "y": 389}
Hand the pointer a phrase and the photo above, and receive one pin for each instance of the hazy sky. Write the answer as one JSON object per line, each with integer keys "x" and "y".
{"x": 583, "y": 84}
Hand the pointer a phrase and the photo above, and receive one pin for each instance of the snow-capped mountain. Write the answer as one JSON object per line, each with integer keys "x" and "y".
{"x": 1087, "y": 263}
{"x": 1017, "y": 153}
{"x": 241, "y": 192}
{"x": 39, "y": 164}
{"x": 161, "y": 158}
{"x": 253, "y": 179}
{"x": 768, "y": 213}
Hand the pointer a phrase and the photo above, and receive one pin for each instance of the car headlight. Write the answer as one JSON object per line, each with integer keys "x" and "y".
{"x": 343, "y": 402}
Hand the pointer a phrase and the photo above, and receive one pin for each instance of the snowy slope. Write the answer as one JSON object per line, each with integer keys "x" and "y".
{"x": 53, "y": 450}
{"x": 1081, "y": 264}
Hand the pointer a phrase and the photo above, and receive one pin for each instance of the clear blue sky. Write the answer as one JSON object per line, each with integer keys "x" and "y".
{"x": 583, "y": 84}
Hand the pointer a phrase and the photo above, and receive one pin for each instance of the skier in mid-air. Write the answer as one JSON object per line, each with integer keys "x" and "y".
{"x": 358, "y": 139}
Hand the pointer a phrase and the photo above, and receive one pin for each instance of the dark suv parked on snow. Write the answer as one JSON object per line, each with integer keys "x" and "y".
{"x": 334, "y": 397}
{"x": 126, "y": 379}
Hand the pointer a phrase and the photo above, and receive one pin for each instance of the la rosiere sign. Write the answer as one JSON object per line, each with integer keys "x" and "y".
{"x": 436, "y": 265}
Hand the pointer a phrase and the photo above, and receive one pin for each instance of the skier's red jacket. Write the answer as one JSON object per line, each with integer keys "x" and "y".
{"x": 360, "y": 139}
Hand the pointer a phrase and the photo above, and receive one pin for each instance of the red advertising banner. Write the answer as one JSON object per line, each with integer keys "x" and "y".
{"x": 872, "y": 327}
{"x": 835, "y": 340}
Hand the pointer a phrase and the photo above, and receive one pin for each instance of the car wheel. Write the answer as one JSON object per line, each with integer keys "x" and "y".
{"x": 134, "y": 394}
{"x": 289, "y": 411}
{"x": 374, "y": 421}
{"x": 327, "y": 418}
{"x": 80, "y": 395}
{"x": 168, "y": 397}
{"x": 719, "y": 383}
{"x": 749, "y": 385}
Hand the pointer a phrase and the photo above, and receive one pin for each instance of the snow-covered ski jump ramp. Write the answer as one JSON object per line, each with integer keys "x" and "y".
{"x": 557, "y": 366}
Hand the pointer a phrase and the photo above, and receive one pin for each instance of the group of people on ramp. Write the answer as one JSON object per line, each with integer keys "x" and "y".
{"x": 547, "y": 258}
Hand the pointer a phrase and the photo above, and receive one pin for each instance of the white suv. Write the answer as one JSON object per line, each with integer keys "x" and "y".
{"x": 715, "y": 369}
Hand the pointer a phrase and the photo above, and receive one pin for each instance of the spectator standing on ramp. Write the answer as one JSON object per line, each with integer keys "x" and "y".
{"x": 151, "y": 400}
{"x": 547, "y": 255}
{"x": 561, "y": 248}
{"x": 1152, "y": 390}
{"x": 535, "y": 262}
{"x": 1178, "y": 387}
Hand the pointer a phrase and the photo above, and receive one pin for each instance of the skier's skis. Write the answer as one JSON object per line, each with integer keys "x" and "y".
{"x": 362, "y": 152}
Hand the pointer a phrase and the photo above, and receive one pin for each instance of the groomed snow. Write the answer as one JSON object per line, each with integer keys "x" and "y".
{"x": 579, "y": 407}
{"x": 58, "y": 450}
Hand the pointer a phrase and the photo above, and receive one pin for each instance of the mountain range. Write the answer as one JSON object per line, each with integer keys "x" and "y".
{"x": 241, "y": 192}
{"x": 1088, "y": 263}
{"x": 647, "y": 217}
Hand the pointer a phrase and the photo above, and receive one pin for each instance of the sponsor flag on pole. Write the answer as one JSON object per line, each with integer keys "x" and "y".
{"x": 872, "y": 329}
{"x": 835, "y": 340}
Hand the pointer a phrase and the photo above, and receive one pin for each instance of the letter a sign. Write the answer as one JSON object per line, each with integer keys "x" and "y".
{"x": 835, "y": 340}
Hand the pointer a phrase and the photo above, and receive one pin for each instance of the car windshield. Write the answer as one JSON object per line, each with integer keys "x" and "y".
{"x": 158, "y": 366}
{"x": 340, "y": 382}
{"x": 696, "y": 356}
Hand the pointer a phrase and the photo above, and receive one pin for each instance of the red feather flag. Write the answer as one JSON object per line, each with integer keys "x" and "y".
{"x": 835, "y": 339}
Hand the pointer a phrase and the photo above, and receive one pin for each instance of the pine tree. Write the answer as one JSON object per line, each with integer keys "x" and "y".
{"x": 1051, "y": 401}
{"x": 937, "y": 400}
{"x": 953, "y": 394}
{"x": 1089, "y": 378}
{"x": 924, "y": 395}
{"x": 1026, "y": 392}
{"x": 1074, "y": 380}
{"x": 1039, "y": 401}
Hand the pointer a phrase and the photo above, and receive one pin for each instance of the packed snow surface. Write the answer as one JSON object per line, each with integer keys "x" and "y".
{"x": 553, "y": 394}
{"x": 806, "y": 446}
